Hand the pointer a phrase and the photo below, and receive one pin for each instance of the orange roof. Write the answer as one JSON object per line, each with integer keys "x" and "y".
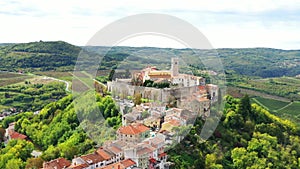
{"x": 174, "y": 122}
{"x": 79, "y": 166}
{"x": 201, "y": 88}
{"x": 115, "y": 149}
{"x": 160, "y": 74}
{"x": 16, "y": 135}
{"x": 59, "y": 163}
{"x": 103, "y": 153}
{"x": 162, "y": 154}
{"x": 120, "y": 165}
{"x": 128, "y": 163}
{"x": 133, "y": 129}
{"x": 92, "y": 158}
{"x": 113, "y": 166}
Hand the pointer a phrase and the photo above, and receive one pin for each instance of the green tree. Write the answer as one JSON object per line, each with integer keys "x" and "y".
{"x": 245, "y": 107}
{"x": 14, "y": 164}
{"x": 111, "y": 75}
{"x": 137, "y": 98}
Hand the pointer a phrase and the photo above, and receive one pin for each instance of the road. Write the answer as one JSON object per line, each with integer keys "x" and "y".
{"x": 64, "y": 81}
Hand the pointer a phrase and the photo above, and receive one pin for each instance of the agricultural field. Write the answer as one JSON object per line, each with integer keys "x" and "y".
{"x": 270, "y": 104}
{"x": 292, "y": 109}
{"x": 283, "y": 109}
{"x": 59, "y": 75}
{"x": 288, "y": 87}
{"x": 30, "y": 97}
{"x": 12, "y": 78}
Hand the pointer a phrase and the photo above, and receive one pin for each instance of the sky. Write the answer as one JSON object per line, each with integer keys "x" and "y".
{"x": 225, "y": 23}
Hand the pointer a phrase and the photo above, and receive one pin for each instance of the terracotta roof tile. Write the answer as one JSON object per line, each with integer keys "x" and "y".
{"x": 59, "y": 163}
{"x": 128, "y": 163}
{"x": 79, "y": 166}
{"x": 162, "y": 154}
{"x": 115, "y": 149}
{"x": 104, "y": 154}
{"x": 120, "y": 165}
{"x": 92, "y": 158}
{"x": 16, "y": 135}
{"x": 133, "y": 129}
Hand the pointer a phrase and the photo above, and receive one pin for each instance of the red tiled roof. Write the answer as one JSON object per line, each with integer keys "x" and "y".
{"x": 162, "y": 154}
{"x": 120, "y": 165}
{"x": 59, "y": 163}
{"x": 16, "y": 135}
{"x": 79, "y": 166}
{"x": 174, "y": 122}
{"x": 103, "y": 153}
{"x": 128, "y": 163}
{"x": 201, "y": 88}
{"x": 113, "y": 166}
{"x": 92, "y": 158}
{"x": 152, "y": 160}
{"x": 115, "y": 149}
{"x": 133, "y": 129}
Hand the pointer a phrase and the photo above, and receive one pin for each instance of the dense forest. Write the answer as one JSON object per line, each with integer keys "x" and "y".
{"x": 55, "y": 131}
{"x": 247, "y": 137}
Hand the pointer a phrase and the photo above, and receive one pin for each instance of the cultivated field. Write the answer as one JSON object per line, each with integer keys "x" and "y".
{"x": 7, "y": 78}
{"x": 271, "y": 104}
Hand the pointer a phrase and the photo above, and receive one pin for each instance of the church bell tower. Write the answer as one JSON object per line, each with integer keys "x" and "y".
{"x": 175, "y": 66}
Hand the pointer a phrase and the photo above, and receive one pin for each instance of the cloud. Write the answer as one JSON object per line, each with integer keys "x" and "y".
{"x": 230, "y": 23}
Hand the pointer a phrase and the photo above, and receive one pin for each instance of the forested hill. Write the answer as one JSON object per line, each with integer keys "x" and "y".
{"x": 41, "y": 56}
{"x": 247, "y": 136}
{"x": 263, "y": 62}
{"x": 61, "y": 56}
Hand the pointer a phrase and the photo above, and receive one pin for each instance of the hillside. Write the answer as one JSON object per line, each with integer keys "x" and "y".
{"x": 61, "y": 56}
{"x": 57, "y": 132}
{"x": 262, "y": 62}
{"x": 246, "y": 137}
{"x": 38, "y": 56}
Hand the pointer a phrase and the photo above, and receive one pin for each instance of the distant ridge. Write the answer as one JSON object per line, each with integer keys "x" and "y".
{"x": 62, "y": 56}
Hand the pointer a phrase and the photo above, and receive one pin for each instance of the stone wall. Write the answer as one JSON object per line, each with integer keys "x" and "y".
{"x": 123, "y": 90}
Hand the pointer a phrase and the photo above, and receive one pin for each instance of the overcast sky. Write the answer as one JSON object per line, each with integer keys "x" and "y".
{"x": 226, "y": 23}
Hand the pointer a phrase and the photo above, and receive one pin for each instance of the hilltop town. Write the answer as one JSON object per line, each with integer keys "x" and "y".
{"x": 173, "y": 101}
{"x": 158, "y": 107}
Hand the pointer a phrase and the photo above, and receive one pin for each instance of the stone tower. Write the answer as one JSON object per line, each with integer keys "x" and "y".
{"x": 175, "y": 66}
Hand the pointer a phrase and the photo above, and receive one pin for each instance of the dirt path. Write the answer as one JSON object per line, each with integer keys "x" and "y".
{"x": 66, "y": 82}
